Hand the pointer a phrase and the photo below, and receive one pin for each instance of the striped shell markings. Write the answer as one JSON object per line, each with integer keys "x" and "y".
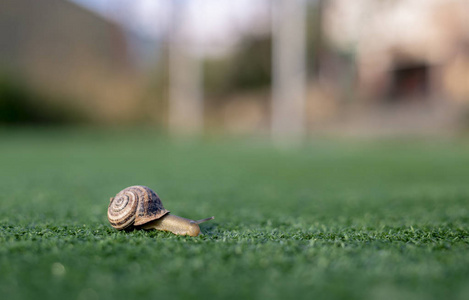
{"x": 134, "y": 206}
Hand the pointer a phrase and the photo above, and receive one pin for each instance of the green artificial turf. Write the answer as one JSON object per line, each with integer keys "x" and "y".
{"x": 332, "y": 219}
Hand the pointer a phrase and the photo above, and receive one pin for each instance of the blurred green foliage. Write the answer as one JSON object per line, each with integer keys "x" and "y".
{"x": 20, "y": 104}
{"x": 247, "y": 69}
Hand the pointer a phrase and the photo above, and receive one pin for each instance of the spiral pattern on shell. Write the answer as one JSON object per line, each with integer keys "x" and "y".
{"x": 134, "y": 206}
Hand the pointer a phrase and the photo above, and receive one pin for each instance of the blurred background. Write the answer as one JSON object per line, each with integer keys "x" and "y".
{"x": 280, "y": 68}
{"x": 371, "y": 204}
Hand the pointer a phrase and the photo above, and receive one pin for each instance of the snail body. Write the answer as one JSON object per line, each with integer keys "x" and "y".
{"x": 140, "y": 207}
{"x": 176, "y": 225}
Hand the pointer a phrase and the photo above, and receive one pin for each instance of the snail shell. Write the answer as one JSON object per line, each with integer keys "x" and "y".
{"x": 134, "y": 206}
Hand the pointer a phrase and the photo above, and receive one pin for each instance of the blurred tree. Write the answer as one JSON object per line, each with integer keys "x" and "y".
{"x": 247, "y": 69}
{"x": 19, "y": 104}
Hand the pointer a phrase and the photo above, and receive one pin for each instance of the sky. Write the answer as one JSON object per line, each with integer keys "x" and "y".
{"x": 210, "y": 23}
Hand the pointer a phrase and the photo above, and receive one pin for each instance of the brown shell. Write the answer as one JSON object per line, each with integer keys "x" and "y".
{"x": 134, "y": 206}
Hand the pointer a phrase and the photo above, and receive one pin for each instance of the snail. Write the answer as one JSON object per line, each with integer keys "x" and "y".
{"x": 140, "y": 207}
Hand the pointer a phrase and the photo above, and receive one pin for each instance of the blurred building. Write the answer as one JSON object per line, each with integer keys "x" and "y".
{"x": 399, "y": 66}
{"x": 70, "y": 55}
{"x": 409, "y": 50}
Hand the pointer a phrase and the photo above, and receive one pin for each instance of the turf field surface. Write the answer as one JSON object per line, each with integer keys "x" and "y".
{"x": 333, "y": 219}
